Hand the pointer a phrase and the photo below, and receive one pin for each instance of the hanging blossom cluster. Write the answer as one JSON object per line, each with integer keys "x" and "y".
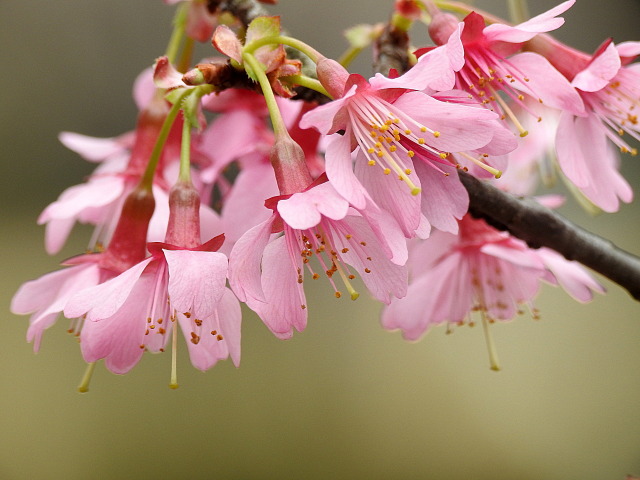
{"x": 246, "y": 177}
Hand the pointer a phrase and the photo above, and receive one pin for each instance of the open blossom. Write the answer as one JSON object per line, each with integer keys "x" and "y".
{"x": 182, "y": 281}
{"x": 481, "y": 270}
{"x": 47, "y": 296}
{"x": 267, "y": 265}
{"x": 609, "y": 88}
{"x": 405, "y": 137}
{"x": 490, "y": 66}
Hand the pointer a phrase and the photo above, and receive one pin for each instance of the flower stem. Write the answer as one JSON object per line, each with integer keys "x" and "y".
{"x": 349, "y": 56}
{"x": 185, "y": 154}
{"x": 274, "y": 112}
{"x": 308, "y": 82}
{"x": 308, "y": 50}
{"x": 518, "y": 10}
{"x": 147, "y": 179}
{"x": 179, "y": 25}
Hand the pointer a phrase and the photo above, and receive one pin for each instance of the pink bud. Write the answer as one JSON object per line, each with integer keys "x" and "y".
{"x": 332, "y": 76}
{"x": 441, "y": 27}
{"x": 183, "y": 229}
{"x": 128, "y": 245}
{"x": 289, "y": 165}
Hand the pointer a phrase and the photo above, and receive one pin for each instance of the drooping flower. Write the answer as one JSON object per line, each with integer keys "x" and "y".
{"x": 610, "y": 90}
{"x": 182, "y": 281}
{"x": 47, "y": 296}
{"x": 266, "y": 266}
{"x": 481, "y": 270}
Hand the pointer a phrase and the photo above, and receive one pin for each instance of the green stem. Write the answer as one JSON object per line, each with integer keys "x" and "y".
{"x": 518, "y": 10}
{"x": 179, "y": 25}
{"x": 185, "y": 154}
{"x": 274, "y": 112}
{"x": 309, "y": 51}
{"x": 147, "y": 179}
{"x": 464, "y": 9}
{"x": 349, "y": 56}
{"x": 307, "y": 82}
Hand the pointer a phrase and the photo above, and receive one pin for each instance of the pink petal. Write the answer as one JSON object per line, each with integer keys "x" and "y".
{"x": 144, "y": 89}
{"x": 515, "y": 253}
{"x": 196, "y": 280}
{"x": 283, "y": 310}
{"x": 385, "y": 279}
{"x": 305, "y": 209}
{"x": 340, "y": 170}
{"x": 390, "y": 194}
{"x": 245, "y": 261}
{"x": 104, "y": 300}
{"x": 572, "y": 276}
{"x": 444, "y": 199}
{"x": 546, "y": 83}
{"x": 230, "y": 316}
{"x": 326, "y": 118}
{"x": 434, "y": 70}
{"x": 91, "y": 148}
{"x": 461, "y": 127}
{"x": 600, "y": 71}
{"x": 578, "y": 140}
{"x": 244, "y": 205}
{"x": 117, "y": 338}
{"x": 545, "y": 22}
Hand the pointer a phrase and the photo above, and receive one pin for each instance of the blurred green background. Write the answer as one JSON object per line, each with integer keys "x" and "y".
{"x": 343, "y": 400}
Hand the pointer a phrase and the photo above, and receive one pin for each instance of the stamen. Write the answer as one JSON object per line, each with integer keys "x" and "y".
{"x": 86, "y": 379}
{"x": 512, "y": 116}
{"x": 493, "y": 171}
{"x": 173, "y": 384}
{"x": 493, "y": 354}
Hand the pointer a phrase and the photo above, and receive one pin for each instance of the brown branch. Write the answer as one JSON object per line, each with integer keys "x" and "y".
{"x": 392, "y": 51}
{"x": 540, "y": 227}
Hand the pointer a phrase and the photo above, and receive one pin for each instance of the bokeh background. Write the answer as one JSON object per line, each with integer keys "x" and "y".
{"x": 344, "y": 399}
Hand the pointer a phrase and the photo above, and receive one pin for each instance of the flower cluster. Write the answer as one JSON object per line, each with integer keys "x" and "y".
{"x": 245, "y": 177}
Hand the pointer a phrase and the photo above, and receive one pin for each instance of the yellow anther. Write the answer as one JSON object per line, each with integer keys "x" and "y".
{"x": 387, "y": 171}
{"x": 380, "y": 153}
{"x": 443, "y": 155}
{"x": 407, "y": 131}
{"x": 423, "y": 129}
{"x": 408, "y": 171}
{"x": 436, "y": 134}
{"x": 393, "y": 148}
{"x": 411, "y": 153}
{"x": 421, "y": 141}
{"x": 371, "y": 150}
{"x": 371, "y": 163}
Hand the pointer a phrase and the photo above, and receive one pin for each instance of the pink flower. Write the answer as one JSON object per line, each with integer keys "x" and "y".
{"x": 47, "y": 296}
{"x": 182, "y": 281}
{"x": 483, "y": 270}
{"x": 609, "y": 90}
{"x": 266, "y": 270}
{"x": 397, "y": 132}
{"x": 487, "y": 70}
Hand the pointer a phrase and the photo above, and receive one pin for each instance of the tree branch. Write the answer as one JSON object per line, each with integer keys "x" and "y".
{"x": 540, "y": 227}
